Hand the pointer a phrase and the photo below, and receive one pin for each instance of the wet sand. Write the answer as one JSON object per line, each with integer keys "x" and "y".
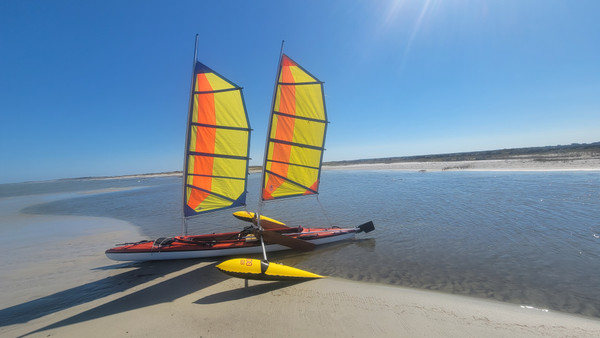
{"x": 45, "y": 254}
{"x": 57, "y": 282}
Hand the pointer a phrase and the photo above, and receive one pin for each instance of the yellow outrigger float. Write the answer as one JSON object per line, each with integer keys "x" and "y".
{"x": 249, "y": 268}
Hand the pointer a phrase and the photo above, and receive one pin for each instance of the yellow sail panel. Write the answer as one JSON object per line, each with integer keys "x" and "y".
{"x": 297, "y": 134}
{"x": 315, "y": 138}
{"x": 208, "y": 77}
{"x": 309, "y": 100}
{"x": 217, "y": 146}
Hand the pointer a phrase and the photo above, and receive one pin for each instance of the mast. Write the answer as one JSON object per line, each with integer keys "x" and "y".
{"x": 264, "y": 166}
{"x": 187, "y": 142}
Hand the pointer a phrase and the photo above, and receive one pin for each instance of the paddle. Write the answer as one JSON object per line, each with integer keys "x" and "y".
{"x": 367, "y": 227}
{"x": 288, "y": 241}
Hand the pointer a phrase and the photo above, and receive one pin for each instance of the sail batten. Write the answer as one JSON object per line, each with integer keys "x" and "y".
{"x": 295, "y": 164}
{"x": 298, "y": 83}
{"x": 296, "y": 144}
{"x": 217, "y": 91}
{"x": 219, "y": 155}
{"x": 217, "y": 147}
{"x": 227, "y": 177}
{"x": 300, "y": 117}
{"x": 211, "y": 192}
{"x": 219, "y": 127}
{"x": 292, "y": 182}
{"x": 296, "y": 135}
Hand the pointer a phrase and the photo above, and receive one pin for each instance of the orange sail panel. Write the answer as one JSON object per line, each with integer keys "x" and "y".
{"x": 218, "y": 142}
{"x": 296, "y": 135}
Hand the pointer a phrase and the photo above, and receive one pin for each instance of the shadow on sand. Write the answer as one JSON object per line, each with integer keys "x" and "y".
{"x": 145, "y": 272}
{"x": 245, "y": 292}
{"x": 162, "y": 292}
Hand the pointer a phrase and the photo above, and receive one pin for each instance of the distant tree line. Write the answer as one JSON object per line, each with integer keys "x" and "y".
{"x": 536, "y": 153}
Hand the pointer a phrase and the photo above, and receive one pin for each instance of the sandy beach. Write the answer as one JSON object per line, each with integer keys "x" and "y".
{"x": 198, "y": 301}
{"x": 73, "y": 290}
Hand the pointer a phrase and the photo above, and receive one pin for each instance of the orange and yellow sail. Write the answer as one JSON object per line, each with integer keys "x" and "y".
{"x": 296, "y": 134}
{"x": 218, "y": 139}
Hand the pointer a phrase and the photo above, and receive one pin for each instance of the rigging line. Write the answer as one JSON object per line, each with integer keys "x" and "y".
{"x": 202, "y": 221}
{"x": 324, "y": 212}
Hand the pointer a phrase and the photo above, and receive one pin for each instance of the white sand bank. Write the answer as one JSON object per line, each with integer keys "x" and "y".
{"x": 585, "y": 164}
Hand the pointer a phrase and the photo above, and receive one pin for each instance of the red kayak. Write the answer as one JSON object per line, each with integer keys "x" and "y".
{"x": 230, "y": 243}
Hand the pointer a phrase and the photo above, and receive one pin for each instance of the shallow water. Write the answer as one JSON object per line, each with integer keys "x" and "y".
{"x": 530, "y": 238}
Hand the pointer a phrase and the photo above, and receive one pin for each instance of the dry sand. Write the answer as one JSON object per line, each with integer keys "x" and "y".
{"x": 71, "y": 290}
{"x": 198, "y": 301}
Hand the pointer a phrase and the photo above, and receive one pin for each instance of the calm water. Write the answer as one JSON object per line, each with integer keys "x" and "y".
{"x": 526, "y": 238}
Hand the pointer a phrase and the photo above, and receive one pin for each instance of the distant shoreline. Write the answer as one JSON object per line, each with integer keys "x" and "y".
{"x": 550, "y": 164}
{"x": 586, "y": 164}
{"x": 548, "y": 153}
{"x": 574, "y": 157}
{"x": 555, "y": 163}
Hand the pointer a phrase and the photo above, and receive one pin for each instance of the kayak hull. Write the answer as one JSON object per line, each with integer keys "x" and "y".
{"x": 218, "y": 245}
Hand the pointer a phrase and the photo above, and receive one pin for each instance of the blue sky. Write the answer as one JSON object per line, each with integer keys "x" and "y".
{"x": 101, "y": 88}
